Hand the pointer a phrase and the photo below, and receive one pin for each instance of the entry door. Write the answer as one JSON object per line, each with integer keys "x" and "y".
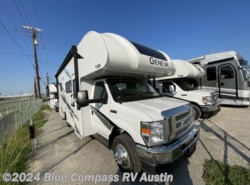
{"x": 100, "y": 111}
{"x": 227, "y": 82}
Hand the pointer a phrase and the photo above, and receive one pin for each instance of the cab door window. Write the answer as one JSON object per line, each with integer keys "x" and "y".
{"x": 226, "y": 72}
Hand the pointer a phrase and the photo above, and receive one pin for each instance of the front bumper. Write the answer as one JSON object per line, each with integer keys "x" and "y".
{"x": 210, "y": 108}
{"x": 154, "y": 156}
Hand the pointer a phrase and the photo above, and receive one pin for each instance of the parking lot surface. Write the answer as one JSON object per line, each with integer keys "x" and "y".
{"x": 60, "y": 152}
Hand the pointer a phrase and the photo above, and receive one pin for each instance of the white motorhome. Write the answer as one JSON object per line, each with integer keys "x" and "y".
{"x": 184, "y": 85}
{"x": 103, "y": 92}
{"x": 52, "y": 96}
{"x": 226, "y": 73}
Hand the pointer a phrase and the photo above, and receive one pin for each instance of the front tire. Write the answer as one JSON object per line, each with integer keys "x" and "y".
{"x": 197, "y": 112}
{"x": 126, "y": 154}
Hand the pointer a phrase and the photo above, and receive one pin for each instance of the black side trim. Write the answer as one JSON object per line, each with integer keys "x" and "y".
{"x": 220, "y": 61}
{"x": 74, "y": 51}
{"x": 233, "y": 93}
{"x": 234, "y": 98}
{"x": 106, "y": 121}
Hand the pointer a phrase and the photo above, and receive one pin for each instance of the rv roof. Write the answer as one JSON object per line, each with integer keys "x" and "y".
{"x": 185, "y": 70}
{"x": 108, "y": 54}
{"x": 227, "y": 55}
{"x": 115, "y": 55}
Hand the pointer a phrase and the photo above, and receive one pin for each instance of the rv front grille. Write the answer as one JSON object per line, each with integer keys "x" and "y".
{"x": 179, "y": 117}
{"x": 176, "y": 124}
{"x": 184, "y": 126}
{"x": 182, "y": 121}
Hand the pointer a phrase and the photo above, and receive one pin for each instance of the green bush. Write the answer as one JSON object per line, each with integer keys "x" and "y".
{"x": 216, "y": 173}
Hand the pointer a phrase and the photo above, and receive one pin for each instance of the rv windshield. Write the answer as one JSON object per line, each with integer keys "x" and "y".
{"x": 187, "y": 84}
{"x": 130, "y": 89}
{"x": 246, "y": 72}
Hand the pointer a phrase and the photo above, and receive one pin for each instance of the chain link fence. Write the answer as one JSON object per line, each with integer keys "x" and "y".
{"x": 14, "y": 113}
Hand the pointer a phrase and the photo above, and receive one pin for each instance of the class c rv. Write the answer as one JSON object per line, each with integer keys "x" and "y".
{"x": 52, "y": 96}
{"x": 184, "y": 84}
{"x": 228, "y": 74}
{"x": 103, "y": 93}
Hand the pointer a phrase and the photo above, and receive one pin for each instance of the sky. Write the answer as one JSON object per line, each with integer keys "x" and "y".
{"x": 184, "y": 29}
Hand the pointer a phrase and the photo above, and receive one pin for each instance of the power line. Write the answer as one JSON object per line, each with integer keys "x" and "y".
{"x": 6, "y": 13}
{"x": 19, "y": 12}
{"x": 42, "y": 54}
{"x": 14, "y": 40}
{"x": 10, "y": 53}
{"x": 23, "y": 16}
{"x": 36, "y": 12}
{"x": 22, "y": 35}
{"x": 42, "y": 35}
{"x": 24, "y": 12}
{"x": 49, "y": 63}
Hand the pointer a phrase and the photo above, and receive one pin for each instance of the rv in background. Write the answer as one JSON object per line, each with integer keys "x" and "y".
{"x": 184, "y": 85}
{"x": 228, "y": 74}
{"x": 52, "y": 96}
{"x": 103, "y": 92}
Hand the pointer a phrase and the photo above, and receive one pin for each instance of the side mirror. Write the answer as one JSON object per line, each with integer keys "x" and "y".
{"x": 171, "y": 88}
{"x": 82, "y": 98}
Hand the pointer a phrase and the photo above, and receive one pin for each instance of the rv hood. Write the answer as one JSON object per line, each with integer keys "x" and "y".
{"x": 154, "y": 107}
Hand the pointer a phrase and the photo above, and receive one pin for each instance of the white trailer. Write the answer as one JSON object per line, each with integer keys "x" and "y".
{"x": 228, "y": 74}
{"x": 103, "y": 92}
{"x": 184, "y": 85}
{"x": 52, "y": 96}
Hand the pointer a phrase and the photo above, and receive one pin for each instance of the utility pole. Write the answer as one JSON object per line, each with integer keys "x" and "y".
{"x": 35, "y": 90}
{"x": 35, "y": 43}
{"x": 47, "y": 77}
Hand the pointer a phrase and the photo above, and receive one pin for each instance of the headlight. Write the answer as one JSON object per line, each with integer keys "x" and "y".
{"x": 153, "y": 132}
{"x": 207, "y": 99}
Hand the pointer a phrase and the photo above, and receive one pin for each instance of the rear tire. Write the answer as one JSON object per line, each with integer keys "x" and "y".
{"x": 197, "y": 111}
{"x": 126, "y": 154}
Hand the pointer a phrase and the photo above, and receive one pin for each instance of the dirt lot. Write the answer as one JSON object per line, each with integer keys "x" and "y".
{"x": 223, "y": 137}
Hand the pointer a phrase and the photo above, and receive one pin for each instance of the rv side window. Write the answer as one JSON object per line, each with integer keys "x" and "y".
{"x": 226, "y": 72}
{"x": 68, "y": 87}
{"x": 100, "y": 91}
{"x": 211, "y": 73}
